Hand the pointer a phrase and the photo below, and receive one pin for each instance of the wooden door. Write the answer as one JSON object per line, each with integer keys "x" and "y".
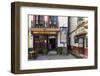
{"x": 81, "y": 45}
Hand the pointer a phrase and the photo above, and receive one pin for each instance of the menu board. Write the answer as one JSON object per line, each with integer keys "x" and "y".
{"x": 63, "y": 34}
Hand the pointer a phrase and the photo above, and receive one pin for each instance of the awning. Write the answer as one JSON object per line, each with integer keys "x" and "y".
{"x": 81, "y": 34}
{"x": 44, "y": 31}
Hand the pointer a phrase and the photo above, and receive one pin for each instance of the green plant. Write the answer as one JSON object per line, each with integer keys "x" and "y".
{"x": 45, "y": 51}
{"x": 59, "y": 50}
{"x": 34, "y": 54}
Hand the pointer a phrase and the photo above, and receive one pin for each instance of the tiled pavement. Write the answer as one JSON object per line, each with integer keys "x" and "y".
{"x": 53, "y": 55}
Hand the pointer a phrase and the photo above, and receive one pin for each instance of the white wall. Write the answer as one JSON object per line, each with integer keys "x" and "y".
{"x": 73, "y": 23}
{"x": 30, "y": 41}
{"x": 63, "y": 21}
{"x": 5, "y": 41}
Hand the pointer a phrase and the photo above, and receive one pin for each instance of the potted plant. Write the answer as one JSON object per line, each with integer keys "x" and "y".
{"x": 32, "y": 54}
{"x": 59, "y": 50}
{"x": 45, "y": 51}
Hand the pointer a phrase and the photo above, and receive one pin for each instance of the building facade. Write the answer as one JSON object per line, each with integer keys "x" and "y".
{"x": 60, "y": 34}
{"x": 78, "y": 35}
{"x": 44, "y": 33}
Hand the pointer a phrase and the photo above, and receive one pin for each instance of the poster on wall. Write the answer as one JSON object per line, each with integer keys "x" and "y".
{"x": 39, "y": 29}
{"x": 63, "y": 34}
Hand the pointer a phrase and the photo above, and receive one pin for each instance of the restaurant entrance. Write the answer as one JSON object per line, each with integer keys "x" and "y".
{"x": 52, "y": 42}
{"x": 44, "y": 43}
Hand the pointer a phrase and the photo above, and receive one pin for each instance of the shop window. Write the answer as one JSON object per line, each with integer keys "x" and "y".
{"x": 76, "y": 39}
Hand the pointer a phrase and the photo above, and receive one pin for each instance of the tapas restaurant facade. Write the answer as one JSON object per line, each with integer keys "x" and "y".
{"x": 44, "y": 33}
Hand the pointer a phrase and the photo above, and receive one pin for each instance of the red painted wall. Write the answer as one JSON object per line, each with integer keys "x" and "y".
{"x": 75, "y": 49}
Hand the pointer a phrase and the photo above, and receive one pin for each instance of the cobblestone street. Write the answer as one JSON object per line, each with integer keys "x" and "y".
{"x": 53, "y": 56}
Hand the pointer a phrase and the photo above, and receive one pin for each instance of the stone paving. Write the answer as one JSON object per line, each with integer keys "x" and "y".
{"x": 53, "y": 55}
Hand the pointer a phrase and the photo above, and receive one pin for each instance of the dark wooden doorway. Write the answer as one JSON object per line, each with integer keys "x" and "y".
{"x": 52, "y": 42}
